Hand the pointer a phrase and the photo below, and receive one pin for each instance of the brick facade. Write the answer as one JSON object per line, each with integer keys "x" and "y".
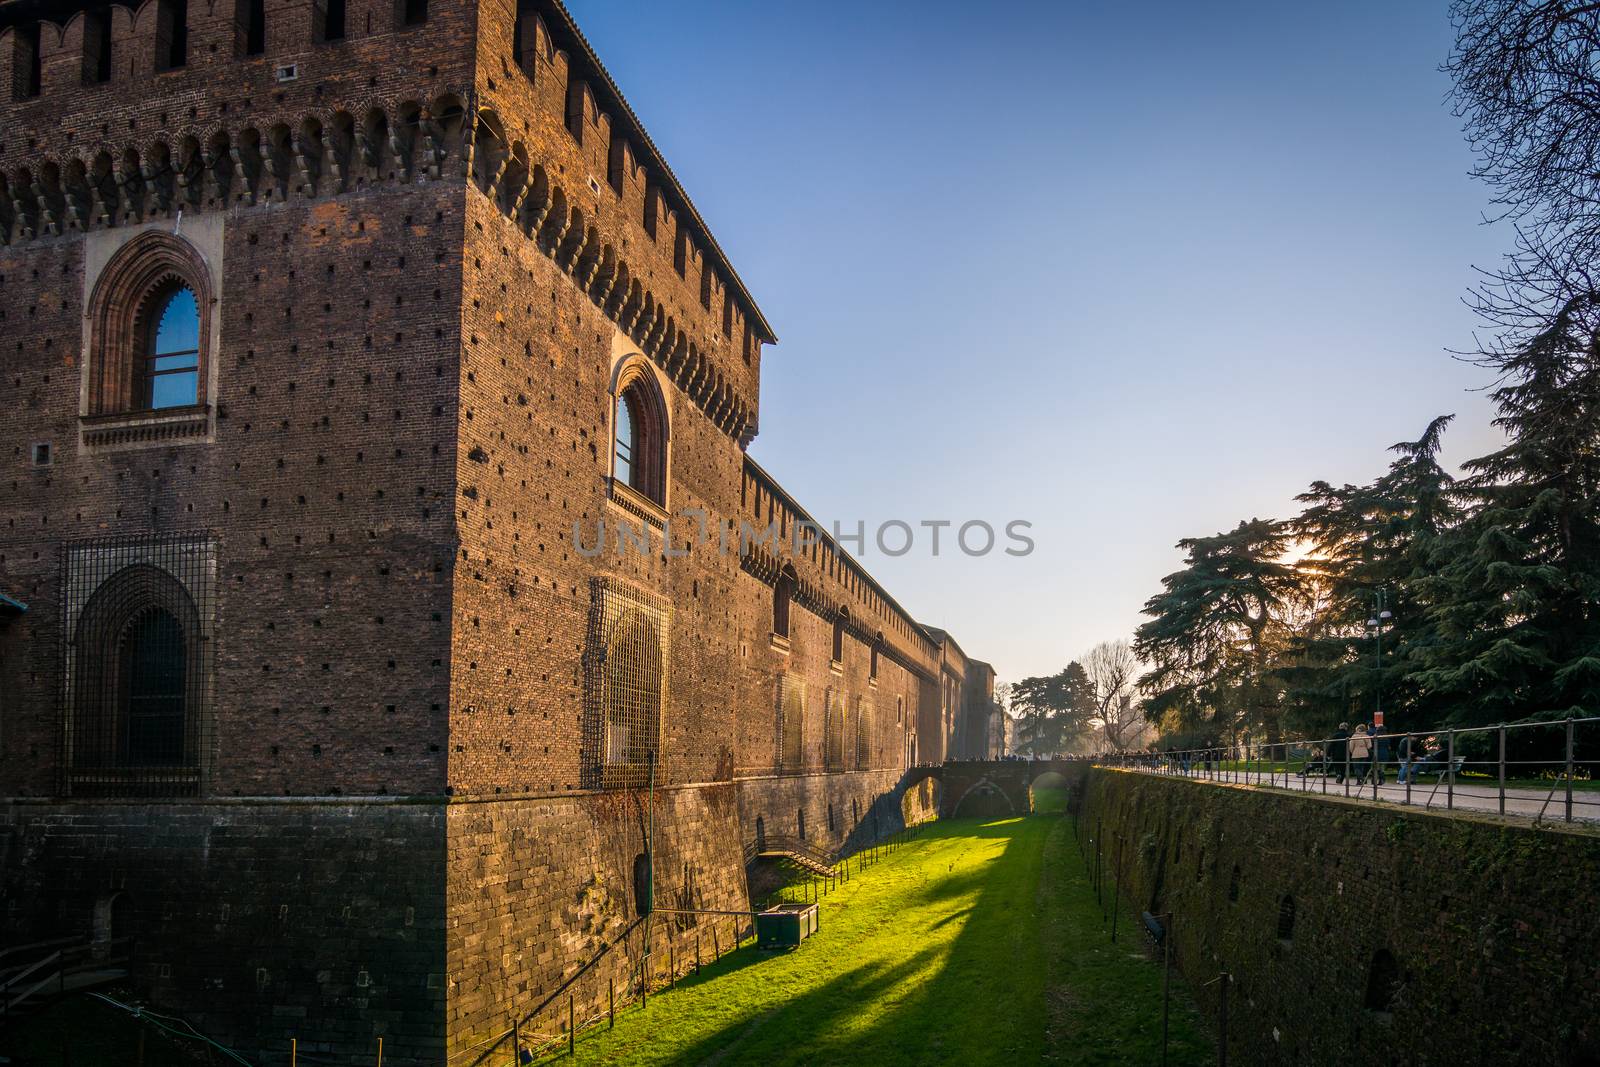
{"x": 428, "y": 252}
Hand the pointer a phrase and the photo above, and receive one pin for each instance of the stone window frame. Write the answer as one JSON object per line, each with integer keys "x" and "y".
{"x": 117, "y": 309}
{"x": 647, "y": 493}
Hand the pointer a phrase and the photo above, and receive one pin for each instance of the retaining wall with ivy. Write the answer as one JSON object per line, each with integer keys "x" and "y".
{"x": 1359, "y": 932}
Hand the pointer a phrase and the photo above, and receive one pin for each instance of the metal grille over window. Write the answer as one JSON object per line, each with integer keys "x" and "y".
{"x": 791, "y": 724}
{"x": 138, "y": 657}
{"x": 834, "y": 731}
{"x": 625, "y": 686}
{"x": 863, "y": 734}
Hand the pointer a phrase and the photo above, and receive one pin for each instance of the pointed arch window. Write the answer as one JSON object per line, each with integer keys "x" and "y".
{"x": 782, "y": 598}
{"x": 151, "y": 319}
{"x": 639, "y": 435}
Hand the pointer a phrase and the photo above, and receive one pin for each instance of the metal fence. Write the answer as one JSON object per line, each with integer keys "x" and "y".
{"x": 1543, "y": 770}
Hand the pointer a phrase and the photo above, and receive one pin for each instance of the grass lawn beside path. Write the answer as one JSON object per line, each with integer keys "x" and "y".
{"x": 977, "y": 942}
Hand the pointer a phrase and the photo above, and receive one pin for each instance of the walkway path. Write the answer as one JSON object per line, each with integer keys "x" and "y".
{"x": 1475, "y": 794}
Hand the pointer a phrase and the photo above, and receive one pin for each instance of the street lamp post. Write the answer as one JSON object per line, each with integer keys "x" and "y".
{"x": 1380, "y": 616}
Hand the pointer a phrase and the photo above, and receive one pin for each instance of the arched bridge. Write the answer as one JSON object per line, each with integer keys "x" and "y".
{"x": 1004, "y": 782}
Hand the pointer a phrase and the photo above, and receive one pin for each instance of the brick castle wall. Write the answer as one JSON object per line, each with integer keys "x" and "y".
{"x": 411, "y": 414}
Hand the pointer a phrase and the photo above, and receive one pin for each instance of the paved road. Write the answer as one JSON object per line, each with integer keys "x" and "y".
{"x": 1436, "y": 796}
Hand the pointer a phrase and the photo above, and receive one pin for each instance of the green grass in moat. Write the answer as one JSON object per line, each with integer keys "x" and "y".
{"x": 976, "y": 942}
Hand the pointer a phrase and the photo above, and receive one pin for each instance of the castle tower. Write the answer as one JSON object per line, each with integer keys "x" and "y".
{"x": 337, "y": 336}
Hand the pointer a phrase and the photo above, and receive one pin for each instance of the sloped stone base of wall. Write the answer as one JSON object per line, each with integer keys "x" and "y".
{"x": 257, "y": 922}
{"x": 430, "y": 923}
{"x": 539, "y": 887}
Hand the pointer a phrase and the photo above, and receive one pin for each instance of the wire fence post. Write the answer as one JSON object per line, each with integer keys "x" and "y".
{"x": 1097, "y": 899}
{"x": 1222, "y": 1021}
{"x": 572, "y": 1031}
{"x": 1166, "y": 984}
{"x": 611, "y": 1003}
{"x": 1569, "y": 767}
{"x": 1375, "y": 766}
{"x": 294, "y": 1052}
{"x": 380, "y": 1052}
{"x": 1116, "y": 896}
{"x": 1450, "y": 771}
{"x": 1502, "y": 733}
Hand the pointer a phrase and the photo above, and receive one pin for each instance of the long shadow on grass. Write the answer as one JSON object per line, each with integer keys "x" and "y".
{"x": 982, "y": 1001}
{"x": 985, "y": 1002}
{"x": 797, "y": 1023}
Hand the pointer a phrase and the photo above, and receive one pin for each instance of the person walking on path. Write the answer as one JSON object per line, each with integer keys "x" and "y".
{"x": 1361, "y": 753}
{"x": 1408, "y": 754}
{"x": 1338, "y": 751}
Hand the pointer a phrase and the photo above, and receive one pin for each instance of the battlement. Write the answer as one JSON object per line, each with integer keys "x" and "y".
{"x": 113, "y": 114}
{"x": 68, "y": 66}
{"x": 828, "y": 578}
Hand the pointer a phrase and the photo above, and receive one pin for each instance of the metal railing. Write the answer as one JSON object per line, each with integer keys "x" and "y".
{"x": 808, "y": 855}
{"x": 1542, "y": 770}
{"x": 52, "y": 967}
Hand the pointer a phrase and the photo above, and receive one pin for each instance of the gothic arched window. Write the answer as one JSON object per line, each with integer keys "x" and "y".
{"x": 782, "y": 596}
{"x": 150, "y": 317}
{"x": 639, "y": 437}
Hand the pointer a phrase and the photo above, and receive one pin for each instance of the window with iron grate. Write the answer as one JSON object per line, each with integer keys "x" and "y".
{"x": 834, "y": 731}
{"x": 138, "y": 665}
{"x": 625, "y": 683}
{"x": 791, "y": 724}
{"x": 863, "y": 734}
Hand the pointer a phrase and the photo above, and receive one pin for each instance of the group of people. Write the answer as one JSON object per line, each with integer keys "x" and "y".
{"x": 1359, "y": 756}
{"x": 1362, "y": 754}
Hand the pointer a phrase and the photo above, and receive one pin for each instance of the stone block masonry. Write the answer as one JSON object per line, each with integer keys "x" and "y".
{"x": 1358, "y": 933}
{"x": 258, "y": 921}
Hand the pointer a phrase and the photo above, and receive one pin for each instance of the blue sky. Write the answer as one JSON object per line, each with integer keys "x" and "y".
{"x": 1129, "y": 272}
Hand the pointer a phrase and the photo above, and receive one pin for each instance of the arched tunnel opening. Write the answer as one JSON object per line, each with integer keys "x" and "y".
{"x": 1048, "y": 793}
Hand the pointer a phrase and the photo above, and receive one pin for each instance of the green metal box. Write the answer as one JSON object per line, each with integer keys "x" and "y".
{"x": 786, "y": 925}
